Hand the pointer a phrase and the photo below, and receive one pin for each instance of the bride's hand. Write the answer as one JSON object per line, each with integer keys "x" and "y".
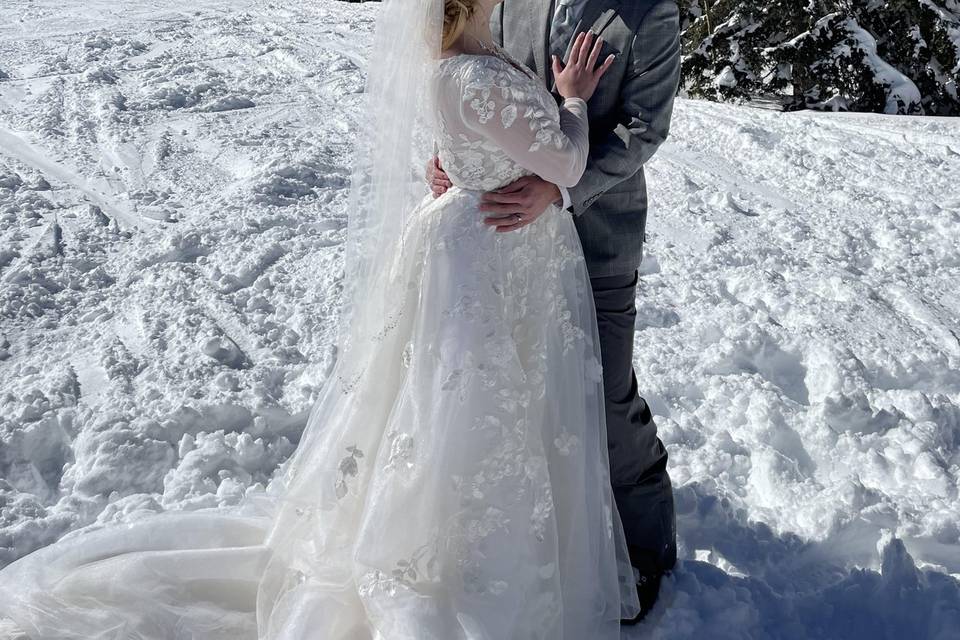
{"x": 579, "y": 78}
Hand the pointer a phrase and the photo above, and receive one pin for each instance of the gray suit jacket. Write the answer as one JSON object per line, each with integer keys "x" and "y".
{"x": 629, "y": 113}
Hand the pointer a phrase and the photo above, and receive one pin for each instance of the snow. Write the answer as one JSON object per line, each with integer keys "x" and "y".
{"x": 727, "y": 78}
{"x": 173, "y": 182}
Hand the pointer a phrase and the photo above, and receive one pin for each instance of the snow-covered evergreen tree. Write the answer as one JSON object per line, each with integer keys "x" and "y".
{"x": 921, "y": 39}
{"x": 898, "y": 56}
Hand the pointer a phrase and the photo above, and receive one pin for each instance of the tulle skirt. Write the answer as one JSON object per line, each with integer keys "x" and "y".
{"x": 452, "y": 482}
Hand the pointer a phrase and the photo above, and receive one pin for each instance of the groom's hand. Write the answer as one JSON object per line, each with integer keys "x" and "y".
{"x": 437, "y": 177}
{"x": 519, "y": 203}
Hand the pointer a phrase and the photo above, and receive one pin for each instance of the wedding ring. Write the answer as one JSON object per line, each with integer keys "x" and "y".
{"x": 519, "y": 218}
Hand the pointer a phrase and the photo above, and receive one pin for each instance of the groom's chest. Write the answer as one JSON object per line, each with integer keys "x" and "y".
{"x": 526, "y": 34}
{"x": 526, "y": 28}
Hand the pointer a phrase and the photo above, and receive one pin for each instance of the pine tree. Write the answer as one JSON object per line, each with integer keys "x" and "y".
{"x": 727, "y": 42}
{"x": 835, "y": 65}
{"x": 900, "y": 56}
{"x": 921, "y": 39}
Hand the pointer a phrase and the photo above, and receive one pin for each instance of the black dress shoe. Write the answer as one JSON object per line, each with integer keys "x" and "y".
{"x": 648, "y": 589}
{"x": 649, "y": 576}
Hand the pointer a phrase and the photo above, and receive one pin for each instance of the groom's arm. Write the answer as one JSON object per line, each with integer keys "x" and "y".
{"x": 646, "y": 106}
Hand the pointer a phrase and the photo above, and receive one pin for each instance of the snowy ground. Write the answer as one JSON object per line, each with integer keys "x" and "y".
{"x": 172, "y": 190}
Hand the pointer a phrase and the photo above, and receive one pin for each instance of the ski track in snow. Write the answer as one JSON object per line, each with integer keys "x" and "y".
{"x": 173, "y": 184}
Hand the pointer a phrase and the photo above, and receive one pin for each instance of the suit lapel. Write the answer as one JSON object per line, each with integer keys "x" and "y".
{"x": 540, "y": 18}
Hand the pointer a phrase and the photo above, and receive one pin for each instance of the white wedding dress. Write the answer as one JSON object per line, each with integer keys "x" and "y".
{"x": 451, "y": 486}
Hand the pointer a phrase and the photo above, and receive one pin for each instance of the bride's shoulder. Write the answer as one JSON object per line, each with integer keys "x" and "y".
{"x": 474, "y": 70}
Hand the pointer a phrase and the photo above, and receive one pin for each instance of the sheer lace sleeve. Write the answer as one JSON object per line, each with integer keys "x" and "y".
{"x": 520, "y": 117}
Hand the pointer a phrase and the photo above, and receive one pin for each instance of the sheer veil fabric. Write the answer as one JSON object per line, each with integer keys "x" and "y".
{"x": 452, "y": 480}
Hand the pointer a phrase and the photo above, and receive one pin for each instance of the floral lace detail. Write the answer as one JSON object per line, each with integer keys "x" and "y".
{"x": 407, "y": 356}
{"x": 349, "y": 467}
{"x": 421, "y": 566}
{"x": 508, "y": 116}
{"x": 494, "y": 94}
{"x": 566, "y": 442}
{"x": 401, "y": 451}
{"x": 483, "y": 105}
{"x": 470, "y": 370}
{"x": 543, "y": 123}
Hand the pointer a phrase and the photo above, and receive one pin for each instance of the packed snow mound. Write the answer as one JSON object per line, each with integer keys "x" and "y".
{"x": 173, "y": 192}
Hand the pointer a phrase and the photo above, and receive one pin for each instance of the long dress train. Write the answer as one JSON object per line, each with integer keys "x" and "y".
{"x": 452, "y": 485}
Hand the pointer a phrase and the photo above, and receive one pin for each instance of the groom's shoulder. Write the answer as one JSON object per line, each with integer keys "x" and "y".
{"x": 654, "y": 18}
{"x": 631, "y": 12}
{"x": 627, "y": 7}
{"x": 634, "y": 12}
{"x": 633, "y": 8}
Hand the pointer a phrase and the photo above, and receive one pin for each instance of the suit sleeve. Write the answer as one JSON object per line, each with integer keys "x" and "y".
{"x": 646, "y": 107}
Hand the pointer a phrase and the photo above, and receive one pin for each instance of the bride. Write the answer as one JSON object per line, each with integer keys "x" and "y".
{"x": 452, "y": 481}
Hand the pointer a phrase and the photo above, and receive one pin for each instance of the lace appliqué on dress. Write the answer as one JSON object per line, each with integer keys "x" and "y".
{"x": 494, "y": 94}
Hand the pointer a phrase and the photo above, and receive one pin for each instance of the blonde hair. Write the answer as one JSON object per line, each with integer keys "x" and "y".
{"x": 456, "y": 15}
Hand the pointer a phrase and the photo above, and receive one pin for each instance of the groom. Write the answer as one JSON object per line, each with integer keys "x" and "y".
{"x": 629, "y": 119}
